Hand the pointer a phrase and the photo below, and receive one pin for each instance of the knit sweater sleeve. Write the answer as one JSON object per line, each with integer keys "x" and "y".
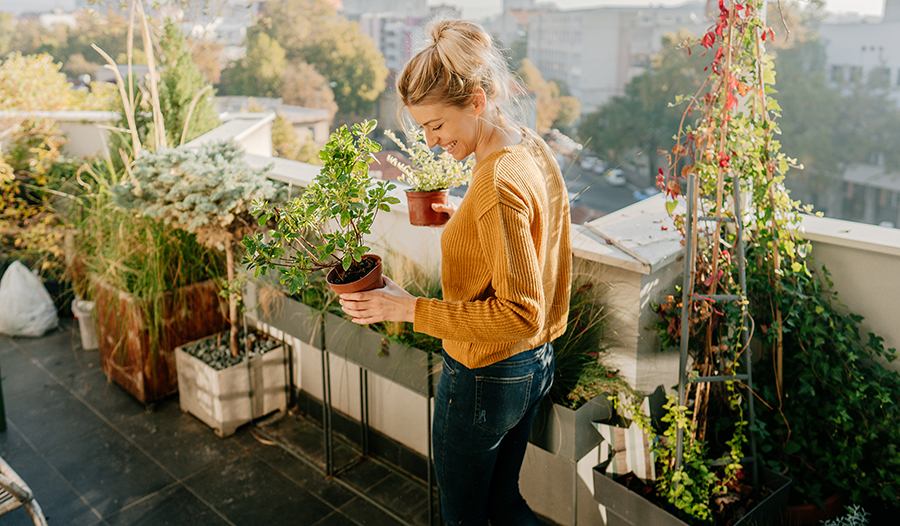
{"x": 512, "y": 310}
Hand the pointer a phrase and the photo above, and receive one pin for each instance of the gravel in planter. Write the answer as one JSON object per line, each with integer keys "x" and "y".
{"x": 215, "y": 351}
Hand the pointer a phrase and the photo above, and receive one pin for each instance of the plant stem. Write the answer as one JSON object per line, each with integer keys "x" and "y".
{"x": 232, "y": 300}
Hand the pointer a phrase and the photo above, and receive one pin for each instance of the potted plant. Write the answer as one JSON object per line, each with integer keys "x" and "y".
{"x": 207, "y": 192}
{"x": 323, "y": 229}
{"x": 153, "y": 290}
{"x": 582, "y": 382}
{"x": 818, "y": 375}
{"x": 837, "y": 388}
{"x": 430, "y": 176}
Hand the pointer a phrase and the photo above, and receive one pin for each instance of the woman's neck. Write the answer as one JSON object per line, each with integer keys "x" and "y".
{"x": 498, "y": 133}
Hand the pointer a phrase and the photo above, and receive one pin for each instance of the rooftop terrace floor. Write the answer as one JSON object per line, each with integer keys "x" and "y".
{"x": 93, "y": 455}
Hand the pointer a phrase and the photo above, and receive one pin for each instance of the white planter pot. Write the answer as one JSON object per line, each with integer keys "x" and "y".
{"x": 224, "y": 400}
{"x": 83, "y": 311}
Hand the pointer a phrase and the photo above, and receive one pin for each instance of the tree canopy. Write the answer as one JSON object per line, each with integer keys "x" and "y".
{"x": 304, "y": 86}
{"x": 644, "y": 118}
{"x": 554, "y": 109}
{"x": 183, "y": 95}
{"x": 311, "y": 31}
{"x": 259, "y": 73}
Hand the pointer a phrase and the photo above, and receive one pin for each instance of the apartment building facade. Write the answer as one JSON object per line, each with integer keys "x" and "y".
{"x": 595, "y": 52}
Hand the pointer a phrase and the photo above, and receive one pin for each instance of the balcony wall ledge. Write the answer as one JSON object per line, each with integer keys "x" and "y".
{"x": 851, "y": 235}
{"x": 639, "y": 238}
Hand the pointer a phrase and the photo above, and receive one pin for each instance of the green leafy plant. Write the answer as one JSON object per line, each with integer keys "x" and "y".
{"x": 833, "y": 423}
{"x": 580, "y": 372}
{"x": 725, "y": 142}
{"x": 836, "y": 387}
{"x": 207, "y": 192}
{"x": 324, "y": 228}
{"x": 429, "y": 172}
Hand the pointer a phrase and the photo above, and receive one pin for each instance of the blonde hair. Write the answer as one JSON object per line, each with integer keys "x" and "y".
{"x": 459, "y": 58}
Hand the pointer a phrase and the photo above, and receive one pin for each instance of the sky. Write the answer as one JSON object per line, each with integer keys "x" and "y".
{"x": 482, "y": 8}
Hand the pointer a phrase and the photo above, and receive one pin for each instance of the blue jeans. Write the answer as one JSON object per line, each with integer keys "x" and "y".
{"x": 482, "y": 418}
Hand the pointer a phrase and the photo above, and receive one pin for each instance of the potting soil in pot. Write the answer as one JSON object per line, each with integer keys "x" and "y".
{"x": 215, "y": 351}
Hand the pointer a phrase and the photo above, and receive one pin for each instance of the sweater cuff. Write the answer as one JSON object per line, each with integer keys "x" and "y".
{"x": 422, "y": 315}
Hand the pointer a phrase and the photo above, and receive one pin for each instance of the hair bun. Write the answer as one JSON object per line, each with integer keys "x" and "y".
{"x": 437, "y": 30}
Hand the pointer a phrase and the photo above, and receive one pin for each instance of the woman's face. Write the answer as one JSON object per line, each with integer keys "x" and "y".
{"x": 450, "y": 127}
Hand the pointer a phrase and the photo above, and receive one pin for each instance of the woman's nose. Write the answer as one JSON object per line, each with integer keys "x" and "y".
{"x": 430, "y": 139}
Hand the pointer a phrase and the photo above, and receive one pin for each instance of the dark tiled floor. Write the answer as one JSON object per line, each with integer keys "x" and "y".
{"x": 93, "y": 455}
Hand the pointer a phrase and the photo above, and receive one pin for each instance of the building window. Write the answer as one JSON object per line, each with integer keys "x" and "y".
{"x": 856, "y": 73}
{"x": 837, "y": 74}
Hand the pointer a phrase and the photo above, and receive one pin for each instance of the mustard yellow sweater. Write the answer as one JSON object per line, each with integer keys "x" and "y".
{"x": 506, "y": 260}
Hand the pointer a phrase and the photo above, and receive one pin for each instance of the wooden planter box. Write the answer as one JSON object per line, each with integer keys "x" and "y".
{"x": 410, "y": 367}
{"x": 267, "y": 309}
{"x": 626, "y": 507}
{"x": 224, "y": 400}
{"x": 568, "y": 433}
{"x": 126, "y": 354}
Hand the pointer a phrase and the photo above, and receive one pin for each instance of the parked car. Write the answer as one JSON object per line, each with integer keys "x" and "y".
{"x": 616, "y": 177}
{"x": 644, "y": 193}
{"x": 588, "y": 162}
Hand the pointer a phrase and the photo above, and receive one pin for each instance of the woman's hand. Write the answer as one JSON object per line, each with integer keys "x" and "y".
{"x": 390, "y": 303}
{"x": 448, "y": 208}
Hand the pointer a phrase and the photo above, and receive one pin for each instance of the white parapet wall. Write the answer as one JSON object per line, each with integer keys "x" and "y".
{"x": 638, "y": 255}
{"x": 864, "y": 262}
{"x": 85, "y": 131}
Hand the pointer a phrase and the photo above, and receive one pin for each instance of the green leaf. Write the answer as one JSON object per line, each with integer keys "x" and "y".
{"x": 791, "y": 447}
{"x": 670, "y": 206}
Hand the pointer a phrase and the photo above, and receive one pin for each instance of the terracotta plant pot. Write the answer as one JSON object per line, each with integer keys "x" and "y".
{"x": 420, "y": 211}
{"x": 370, "y": 281}
{"x": 806, "y": 514}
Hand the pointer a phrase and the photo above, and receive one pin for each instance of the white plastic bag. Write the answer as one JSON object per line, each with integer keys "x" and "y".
{"x": 26, "y": 308}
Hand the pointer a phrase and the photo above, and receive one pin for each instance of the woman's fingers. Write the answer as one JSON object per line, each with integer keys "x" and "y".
{"x": 390, "y": 303}
{"x": 448, "y": 208}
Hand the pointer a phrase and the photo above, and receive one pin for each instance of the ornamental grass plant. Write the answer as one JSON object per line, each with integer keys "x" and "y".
{"x": 580, "y": 370}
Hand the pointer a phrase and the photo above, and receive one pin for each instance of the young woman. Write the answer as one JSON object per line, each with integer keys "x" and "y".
{"x": 505, "y": 272}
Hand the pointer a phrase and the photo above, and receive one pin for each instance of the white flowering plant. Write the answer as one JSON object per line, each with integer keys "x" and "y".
{"x": 429, "y": 172}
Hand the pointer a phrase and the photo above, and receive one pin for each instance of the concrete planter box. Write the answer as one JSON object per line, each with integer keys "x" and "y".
{"x": 267, "y": 309}
{"x": 568, "y": 433}
{"x": 410, "y": 367}
{"x": 626, "y": 507}
{"x": 224, "y": 400}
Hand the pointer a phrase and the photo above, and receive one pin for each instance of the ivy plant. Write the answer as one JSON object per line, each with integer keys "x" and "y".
{"x": 324, "y": 228}
{"x": 828, "y": 410}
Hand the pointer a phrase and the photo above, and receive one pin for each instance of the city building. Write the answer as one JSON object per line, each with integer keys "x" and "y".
{"x": 595, "y": 52}
{"x": 354, "y": 8}
{"x": 864, "y": 49}
{"x": 395, "y": 35}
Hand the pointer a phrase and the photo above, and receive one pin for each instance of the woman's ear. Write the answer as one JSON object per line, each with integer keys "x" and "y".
{"x": 479, "y": 101}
